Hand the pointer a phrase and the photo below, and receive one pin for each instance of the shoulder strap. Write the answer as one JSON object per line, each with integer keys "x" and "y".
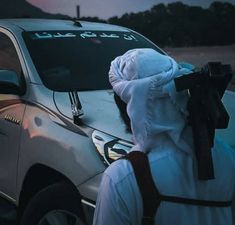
{"x": 150, "y": 194}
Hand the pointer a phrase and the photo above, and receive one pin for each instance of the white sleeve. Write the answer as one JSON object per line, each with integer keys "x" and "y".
{"x": 110, "y": 207}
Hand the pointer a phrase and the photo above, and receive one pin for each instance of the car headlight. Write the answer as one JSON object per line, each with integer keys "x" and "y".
{"x": 109, "y": 147}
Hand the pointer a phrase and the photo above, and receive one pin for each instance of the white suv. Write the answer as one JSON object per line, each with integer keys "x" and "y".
{"x": 59, "y": 125}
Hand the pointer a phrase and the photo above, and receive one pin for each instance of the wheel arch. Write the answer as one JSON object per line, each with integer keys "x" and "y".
{"x": 38, "y": 177}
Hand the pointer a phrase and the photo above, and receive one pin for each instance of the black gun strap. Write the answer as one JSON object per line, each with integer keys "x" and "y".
{"x": 150, "y": 194}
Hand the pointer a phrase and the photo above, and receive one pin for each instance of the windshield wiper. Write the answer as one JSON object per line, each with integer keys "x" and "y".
{"x": 76, "y": 107}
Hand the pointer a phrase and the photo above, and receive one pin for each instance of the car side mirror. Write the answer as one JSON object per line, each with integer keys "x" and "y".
{"x": 9, "y": 82}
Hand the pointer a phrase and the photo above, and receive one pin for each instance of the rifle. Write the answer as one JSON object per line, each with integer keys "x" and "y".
{"x": 206, "y": 88}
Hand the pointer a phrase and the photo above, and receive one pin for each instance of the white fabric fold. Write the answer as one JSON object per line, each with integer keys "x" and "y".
{"x": 143, "y": 78}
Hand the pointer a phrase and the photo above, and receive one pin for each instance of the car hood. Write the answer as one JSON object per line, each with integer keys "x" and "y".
{"x": 100, "y": 112}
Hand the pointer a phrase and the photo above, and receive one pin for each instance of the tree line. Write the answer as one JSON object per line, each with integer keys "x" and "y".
{"x": 177, "y": 24}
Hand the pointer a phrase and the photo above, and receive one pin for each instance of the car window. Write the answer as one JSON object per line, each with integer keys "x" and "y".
{"x": 79, "y": 60}
{"x": 9, "y": 59}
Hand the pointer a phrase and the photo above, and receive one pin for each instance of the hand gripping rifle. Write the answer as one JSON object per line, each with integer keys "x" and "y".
{"x": 206, "y": 110}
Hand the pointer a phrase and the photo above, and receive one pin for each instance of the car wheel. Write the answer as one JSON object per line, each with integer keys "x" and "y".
{"x": 57, "y": 204}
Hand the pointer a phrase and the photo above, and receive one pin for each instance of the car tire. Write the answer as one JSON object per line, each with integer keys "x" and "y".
{"x": 57, "y": 202}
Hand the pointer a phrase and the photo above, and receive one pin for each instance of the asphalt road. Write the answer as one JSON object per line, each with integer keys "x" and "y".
{"x": 7, "y": 213}
{"x": 7, "y": 223}
{"x": 4, "y": 213}
{"x": 199, "y": 56}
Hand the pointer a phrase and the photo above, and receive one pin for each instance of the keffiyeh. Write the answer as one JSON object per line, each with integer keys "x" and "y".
{"x": 143, "y": 78}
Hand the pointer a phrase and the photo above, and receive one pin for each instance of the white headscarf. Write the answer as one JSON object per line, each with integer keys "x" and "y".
{"x": 143, "y": 78}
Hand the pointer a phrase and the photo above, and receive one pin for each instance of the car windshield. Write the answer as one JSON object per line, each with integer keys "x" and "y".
{"x": 79, "y": 60}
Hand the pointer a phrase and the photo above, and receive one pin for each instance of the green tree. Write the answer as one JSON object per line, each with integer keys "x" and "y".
{"x": 178, "y": 24}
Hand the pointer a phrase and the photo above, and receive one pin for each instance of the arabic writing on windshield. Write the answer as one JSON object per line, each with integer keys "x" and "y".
{"x": 83, "y": 35}
{"x": 79, "y": 59}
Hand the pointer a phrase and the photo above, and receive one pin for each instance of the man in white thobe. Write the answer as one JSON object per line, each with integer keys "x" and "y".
{"x": 143, "y": 78}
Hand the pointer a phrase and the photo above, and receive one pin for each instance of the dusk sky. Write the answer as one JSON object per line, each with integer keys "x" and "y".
{"x": 106, "y": 8}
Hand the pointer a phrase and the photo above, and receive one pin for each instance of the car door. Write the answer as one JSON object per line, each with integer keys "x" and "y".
{"x": 11, "y": 114}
